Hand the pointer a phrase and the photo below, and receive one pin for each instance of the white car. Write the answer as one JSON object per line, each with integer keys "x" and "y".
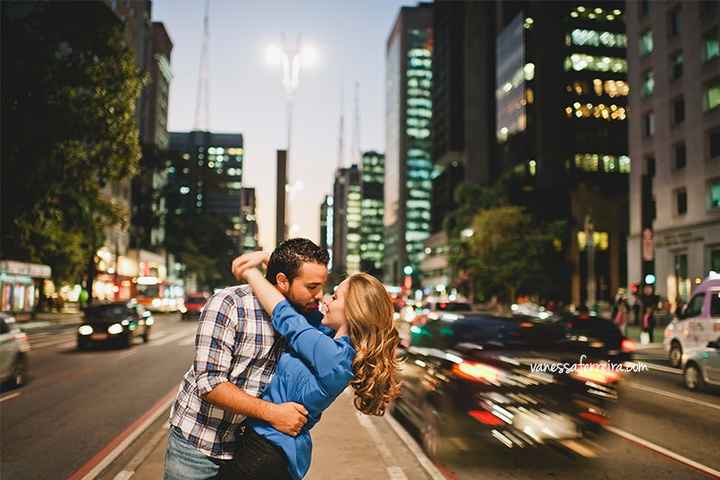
{"x": 698, "y": 324}
{"x": 13, "y": 352}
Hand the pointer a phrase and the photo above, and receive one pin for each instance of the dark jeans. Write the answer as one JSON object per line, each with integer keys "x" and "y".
{"x": 256, "y": 459}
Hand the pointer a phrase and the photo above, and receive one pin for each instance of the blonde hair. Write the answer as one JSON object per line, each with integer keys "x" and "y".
{"x": 369, "y": 313}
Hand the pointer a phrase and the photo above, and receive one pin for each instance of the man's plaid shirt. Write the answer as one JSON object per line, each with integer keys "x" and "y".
{"x": 235, "y": 342}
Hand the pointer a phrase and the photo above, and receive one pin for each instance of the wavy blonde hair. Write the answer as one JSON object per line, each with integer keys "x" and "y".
{"x": 369, "y": 313}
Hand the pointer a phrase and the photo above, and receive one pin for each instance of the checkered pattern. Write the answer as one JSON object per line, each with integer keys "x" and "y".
{"x": 235, "y": 342}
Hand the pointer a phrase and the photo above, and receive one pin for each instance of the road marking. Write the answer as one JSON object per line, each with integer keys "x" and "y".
{"x": 664, "y": 451}
{"x": 142, "y": 455}
{"x": 423, "y": 459}
{"x": 653, "y": 366}
{"x": 395, "y": 472}
{"x": 672, "y": 395}
{"x": 119, "y": 444}
{"x": 188, "y": 341}
{"x": 169, "y": 339}
{"x": 10, "y": 396}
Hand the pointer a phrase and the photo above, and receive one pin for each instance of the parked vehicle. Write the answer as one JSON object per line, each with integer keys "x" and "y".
{"x": 193, "y": 306}
{"x": 117, "y": 323}
{"x": 470, "y": 375}
{"x": 14, "y": 347}
{"x": 703, "y": 368}
{"x": 696, "y": 325}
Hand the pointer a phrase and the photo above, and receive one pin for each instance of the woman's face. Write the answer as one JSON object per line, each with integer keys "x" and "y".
{"x": 335, "y": 307}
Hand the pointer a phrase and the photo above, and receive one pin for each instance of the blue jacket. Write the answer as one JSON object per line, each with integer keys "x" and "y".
{"x": 313, "y": 371}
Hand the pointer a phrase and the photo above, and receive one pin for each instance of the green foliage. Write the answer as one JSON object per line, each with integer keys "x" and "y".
{"x": 69, "y": 126}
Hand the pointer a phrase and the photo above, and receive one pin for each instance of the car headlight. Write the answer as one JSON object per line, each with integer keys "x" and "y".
{"x": 85, "y": 330}
{"x": 115, "y": 328}
{"x": 149, "y": 321}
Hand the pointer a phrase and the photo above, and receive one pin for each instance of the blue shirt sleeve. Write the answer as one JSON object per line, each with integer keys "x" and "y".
{"x": 330, "y": 360}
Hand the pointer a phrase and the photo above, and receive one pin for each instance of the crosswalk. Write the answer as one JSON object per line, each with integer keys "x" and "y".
{"x": 67, "y": 339}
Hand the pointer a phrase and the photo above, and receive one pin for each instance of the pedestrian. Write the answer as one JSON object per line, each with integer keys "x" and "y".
{"x": 622, "y": 312}
{"x": 316, "y": 368}
{"x": 583, "y": 312}
{"x": 236, "y": 352}
{"x": 648, "y": 302}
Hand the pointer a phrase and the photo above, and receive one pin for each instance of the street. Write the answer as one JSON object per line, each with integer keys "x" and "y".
{"x": 654, "y": 410}
{"x": 76, "y": 403}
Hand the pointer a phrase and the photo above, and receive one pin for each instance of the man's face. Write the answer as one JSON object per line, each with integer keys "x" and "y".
{"x": 306, "y": 290}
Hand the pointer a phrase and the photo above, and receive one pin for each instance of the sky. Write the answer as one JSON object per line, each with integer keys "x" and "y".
{"x": 247, "y": 96}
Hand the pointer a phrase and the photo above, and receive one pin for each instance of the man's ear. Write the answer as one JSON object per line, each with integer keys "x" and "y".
{"x": 282, "y": 283}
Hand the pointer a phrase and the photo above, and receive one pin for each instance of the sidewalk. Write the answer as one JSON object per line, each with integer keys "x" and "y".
{"x": 47, "y": 320}
{"x": 346, "y": 445}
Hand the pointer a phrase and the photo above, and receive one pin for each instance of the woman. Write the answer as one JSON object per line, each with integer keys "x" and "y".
{"x": 316, "y": 368}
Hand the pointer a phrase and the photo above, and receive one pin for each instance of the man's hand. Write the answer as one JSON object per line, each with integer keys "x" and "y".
{"x": 250, "y": 260}
{"x": 288, "y": 417}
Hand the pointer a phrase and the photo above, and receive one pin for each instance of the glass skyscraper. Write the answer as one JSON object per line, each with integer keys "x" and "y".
{"x": 372, "y": 229}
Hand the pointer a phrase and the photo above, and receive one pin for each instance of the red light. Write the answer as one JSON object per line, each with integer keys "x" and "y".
{"x": 596, "y": 374}
{"x": 476, "y": 372}
{"x": 594, "y": 418}
{"x": 485, "y": 417}
{"x": 627, "y": 345}
{"x": 443, "y": 306}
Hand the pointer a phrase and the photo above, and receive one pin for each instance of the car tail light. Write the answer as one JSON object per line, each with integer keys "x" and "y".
{"x": 596, "y": 375}
{"x": 594, "y": 418}
{"x": 476, "y": 372}
{"x": 627, "y": 345}
{"x": 485, "y": 417}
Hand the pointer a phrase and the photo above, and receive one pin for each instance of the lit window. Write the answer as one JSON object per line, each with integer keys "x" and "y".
{"x": 714, "y": 194}
{"x": 594, "y": 38}
{"x": 676, "y": 63}
{"x": 646, "y": 43}
{"x": 581, "y": 61}
{"x": 711, "y": 99}
{"x": 648, "y": 85}
{"x": 711, "y": 44}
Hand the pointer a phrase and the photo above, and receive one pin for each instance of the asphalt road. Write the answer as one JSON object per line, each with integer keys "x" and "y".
{"x": 655, "y": 410}
{"x": 76, "y": 402}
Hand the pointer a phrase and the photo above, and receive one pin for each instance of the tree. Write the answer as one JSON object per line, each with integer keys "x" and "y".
{"x": 509, "y": 253}
{"x": 70, "y": 87}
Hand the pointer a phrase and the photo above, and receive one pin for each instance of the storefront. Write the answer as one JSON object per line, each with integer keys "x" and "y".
{"x": 20, "y": 285}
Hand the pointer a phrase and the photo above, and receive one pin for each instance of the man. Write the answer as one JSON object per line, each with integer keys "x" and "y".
{"x": 236, "y": 350}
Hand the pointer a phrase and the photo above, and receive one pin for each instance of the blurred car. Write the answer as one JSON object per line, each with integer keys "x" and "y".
{"x": 703, "y": 368}
{"x": 14, "y": 346}
{"x": 117, "y": 323}
{"x": 598, "y": 338}
{"x": 470, "y": 375}
{"x": 193, "y": 306}
{"x": 696, "y": 325}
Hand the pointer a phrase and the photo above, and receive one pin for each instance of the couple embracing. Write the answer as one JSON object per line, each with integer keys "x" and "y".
{"x": 267, "y": 363}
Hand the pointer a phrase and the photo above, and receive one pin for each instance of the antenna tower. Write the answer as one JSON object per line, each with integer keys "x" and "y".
{"x": 202, "y": 103}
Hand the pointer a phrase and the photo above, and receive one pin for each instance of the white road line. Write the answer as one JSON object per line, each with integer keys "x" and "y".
{"x": 664, "y": 451}
{"x": 10, "y": 396}
{"x": 394, "y": 472}
{"x": 410, "y": 443}
{"x": 168, "y": 339}
{"x": 672, "y": 395}
{"x": 662, "y": 368}
{"x": 188, "y": 341}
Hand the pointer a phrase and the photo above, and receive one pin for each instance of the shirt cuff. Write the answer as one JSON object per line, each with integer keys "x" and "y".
{"x": 208, "y": 381}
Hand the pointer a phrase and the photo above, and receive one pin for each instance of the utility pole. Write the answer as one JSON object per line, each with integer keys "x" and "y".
{"x": 202, "y": 103}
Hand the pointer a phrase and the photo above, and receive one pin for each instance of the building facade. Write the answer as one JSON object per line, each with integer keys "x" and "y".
{"x": 561, "y": 129}
{"x": 347, "y": 216}
{"x": 372, "y": 228}
{"x": 408, "y": 159}
{"x": 248, "y": 209}
{"x": 674, "y": 60}
{"x": 206, "y": 177}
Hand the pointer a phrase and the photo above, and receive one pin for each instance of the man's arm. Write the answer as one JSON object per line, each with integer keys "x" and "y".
{"x": 287, "y": 417}
{"x": 219, "y": 323}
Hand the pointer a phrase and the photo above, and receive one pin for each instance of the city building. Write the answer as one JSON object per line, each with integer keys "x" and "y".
{"x": 561, "y": 128}
{"x": 372, "y": 228}
{"x": 408, "y": 156}
{"x": 347, "y": 216}
{"x": 248, "y": 209}
{"x": 155, "y": 110}
{"x": 674, "y": 62}
{"x": 326, "y": 227}
{"x": 206, "y": 177}
{"x": 463, "y": 118}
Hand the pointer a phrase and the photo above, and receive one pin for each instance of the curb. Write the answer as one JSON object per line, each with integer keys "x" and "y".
{"x": 142, "y": 455}
{"x": 423, "y": 460}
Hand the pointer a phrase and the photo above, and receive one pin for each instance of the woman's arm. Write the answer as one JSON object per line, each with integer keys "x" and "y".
{"x": 265, "y": 291}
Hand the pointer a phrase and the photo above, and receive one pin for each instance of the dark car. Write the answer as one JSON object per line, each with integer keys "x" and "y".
{"x": 474, "y": 376}
{"x": 598, "y": 338}
{"x": 117, "y": 324}
{"x": 193, "y": 306}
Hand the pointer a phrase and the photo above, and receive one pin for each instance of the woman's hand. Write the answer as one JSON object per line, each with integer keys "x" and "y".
{"x": 247, "y": 261}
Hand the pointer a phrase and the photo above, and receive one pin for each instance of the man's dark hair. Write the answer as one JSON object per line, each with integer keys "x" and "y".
{"x": 289, "y": 256}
